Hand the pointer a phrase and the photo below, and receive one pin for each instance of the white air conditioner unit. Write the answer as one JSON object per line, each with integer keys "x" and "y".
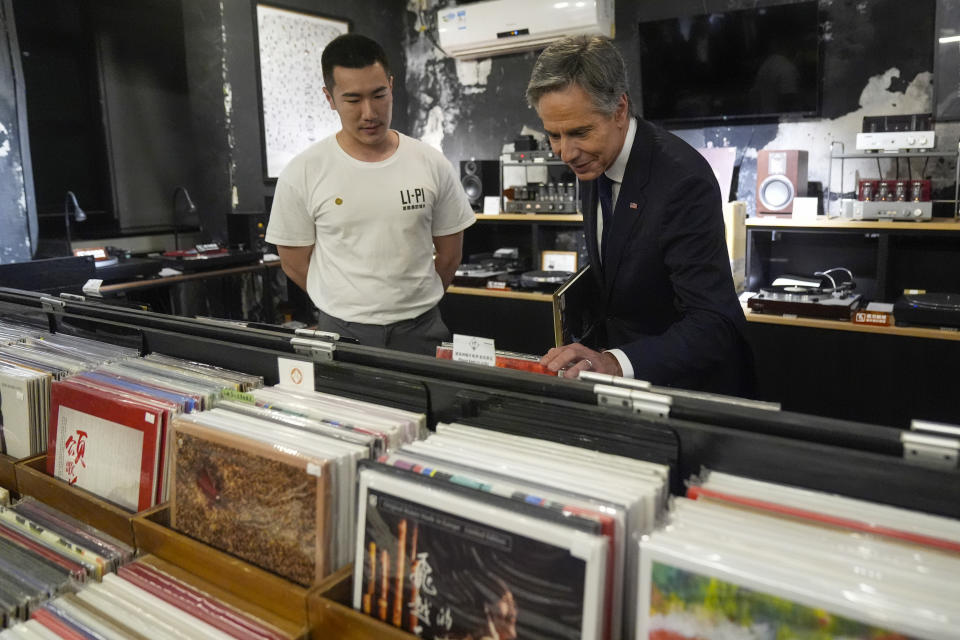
{"x": 493, "y": 27}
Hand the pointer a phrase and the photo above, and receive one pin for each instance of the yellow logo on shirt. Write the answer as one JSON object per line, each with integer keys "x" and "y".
{"x": 338, "y": 201}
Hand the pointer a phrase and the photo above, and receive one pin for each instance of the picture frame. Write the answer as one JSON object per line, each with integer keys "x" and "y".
{"x": 559, "y": 261}
{"x": 294, "y": 112}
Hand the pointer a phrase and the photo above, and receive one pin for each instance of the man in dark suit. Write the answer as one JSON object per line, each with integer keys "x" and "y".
{"x": 666, "y": 305}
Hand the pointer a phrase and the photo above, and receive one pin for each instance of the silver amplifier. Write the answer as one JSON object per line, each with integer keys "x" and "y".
{"x": 887, "y": 210}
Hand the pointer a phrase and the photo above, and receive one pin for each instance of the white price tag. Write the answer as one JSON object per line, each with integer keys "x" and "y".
{"x": 295, "y": 374}
{"x": 92, "y": 286}
{"x": 474, "y": 349}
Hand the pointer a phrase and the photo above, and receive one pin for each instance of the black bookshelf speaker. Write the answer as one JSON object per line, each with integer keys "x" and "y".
{"x": 480, "y": 178}
{"x": 247, "y": 229}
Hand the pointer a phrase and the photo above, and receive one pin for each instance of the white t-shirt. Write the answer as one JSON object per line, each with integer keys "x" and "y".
{"x": 372, "y": 224}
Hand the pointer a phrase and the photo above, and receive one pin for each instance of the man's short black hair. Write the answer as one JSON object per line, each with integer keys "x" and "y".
{"x": 353, "y": 51}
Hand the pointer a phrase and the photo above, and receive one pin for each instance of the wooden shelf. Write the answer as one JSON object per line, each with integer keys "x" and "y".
{"x": 8, "y": 476}
{"x": 162, "y": 281}
{"x": 250, "y": 583}
{"x": 840, "y": 325}
{"x": 822, "y": 222}
{"x": 32, "y": 480}
{"x": 862, "y": 155}
{"x": 531, "y": 217}
{"x": 496, "y": 293}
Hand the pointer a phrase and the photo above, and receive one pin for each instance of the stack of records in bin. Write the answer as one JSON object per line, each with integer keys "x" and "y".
{"x": 270, "y": 476}
{"x": 109, "y": 426}
{"x": 476, "y": 533}
{"x": 44, "y": 553}
{"x": 18, "y": 330}
{"x": 141, "y": 601}
{"x": 28, "y": 367}
{"x": 748, "y": 559}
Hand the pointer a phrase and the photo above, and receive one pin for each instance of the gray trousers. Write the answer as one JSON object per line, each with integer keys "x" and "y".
{"x": 422, "y": 334}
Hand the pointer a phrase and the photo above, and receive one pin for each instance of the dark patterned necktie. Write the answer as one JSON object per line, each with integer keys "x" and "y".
{"x": 605, "y": 193}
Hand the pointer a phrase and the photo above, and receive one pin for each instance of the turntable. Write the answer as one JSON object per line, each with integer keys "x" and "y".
{"x": 928, "y": 309}
{"x": 544, "y": 280}
{"x": 807, "y": 297}
{"x": 476, "y": 274}
{"x": 481, "y": 268}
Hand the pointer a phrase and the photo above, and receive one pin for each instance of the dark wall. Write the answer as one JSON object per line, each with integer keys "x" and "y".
{"x": 863, "y": 39}
{"x": 181, "y": 107}
{"x": 222, "y": 70}
{"x": 17, "y": 209}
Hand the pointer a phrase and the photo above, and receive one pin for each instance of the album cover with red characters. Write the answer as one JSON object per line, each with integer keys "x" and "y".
{"x": 106, "y": 444}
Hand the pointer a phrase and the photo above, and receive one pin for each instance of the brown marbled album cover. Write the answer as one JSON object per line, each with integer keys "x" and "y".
{"x": 268, "y": 507}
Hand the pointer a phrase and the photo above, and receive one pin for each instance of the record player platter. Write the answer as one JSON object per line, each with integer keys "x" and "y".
{"x": 804, "y": 301}
{"x": 547, "y": 277}
{"x": 796, "y": 293}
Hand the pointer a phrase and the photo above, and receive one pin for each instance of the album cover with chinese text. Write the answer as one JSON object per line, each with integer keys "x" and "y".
{"x": 105, "y": 444}
{"x": 440, "y": 575}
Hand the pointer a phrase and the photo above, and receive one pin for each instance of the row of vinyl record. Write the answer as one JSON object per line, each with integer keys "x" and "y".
{"x": 471, "y": 532}
{"x": 31, "y": 359}
{"x": 140, "y": 601}
{"x": 109, "y": 426}
{"x": 747, "y": 559}
{"x": 45, "y": 553}
{"x": 60, "y": 578}
{"x": 270, "y": 476}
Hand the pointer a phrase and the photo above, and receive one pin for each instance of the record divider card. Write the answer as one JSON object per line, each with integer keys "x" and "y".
{"x": 246, "y": 581}
{"x": 32, "y": 480}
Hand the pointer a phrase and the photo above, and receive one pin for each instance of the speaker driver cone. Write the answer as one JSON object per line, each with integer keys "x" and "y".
{"x": 776, "y": 192}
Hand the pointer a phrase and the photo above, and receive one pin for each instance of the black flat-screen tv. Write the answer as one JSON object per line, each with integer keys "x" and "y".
{"x": 747, "y": 64}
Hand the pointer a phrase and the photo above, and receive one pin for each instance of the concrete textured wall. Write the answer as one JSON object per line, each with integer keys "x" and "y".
{"x": 877, "y": 59}
{"x": 222, "y": 70}
{"x": 18, "y": 221}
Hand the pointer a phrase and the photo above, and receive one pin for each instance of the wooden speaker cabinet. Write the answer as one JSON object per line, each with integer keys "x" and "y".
{"x": 781, "y": 177}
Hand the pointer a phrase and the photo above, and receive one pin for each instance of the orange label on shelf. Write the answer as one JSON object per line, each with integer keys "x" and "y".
{"x": 873, "y": 317}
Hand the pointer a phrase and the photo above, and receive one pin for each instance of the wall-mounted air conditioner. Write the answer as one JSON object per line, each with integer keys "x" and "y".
{"x": 492, "y": 27}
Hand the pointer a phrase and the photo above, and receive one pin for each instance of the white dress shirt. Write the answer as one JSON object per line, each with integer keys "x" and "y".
{"x": 615, "y": 173}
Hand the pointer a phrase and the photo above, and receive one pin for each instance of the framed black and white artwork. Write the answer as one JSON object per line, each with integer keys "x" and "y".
{"x": 294, "y": 112}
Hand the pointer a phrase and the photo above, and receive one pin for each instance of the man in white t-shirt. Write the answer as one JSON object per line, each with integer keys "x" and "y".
{"x": 358, "y": 216}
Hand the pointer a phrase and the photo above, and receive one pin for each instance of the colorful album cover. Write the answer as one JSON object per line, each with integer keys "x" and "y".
{"x": 105, "y": 444}
{"x": 438, "y": 575}
{"x": 689, "y": 605}
{"x": 268, "y": 505}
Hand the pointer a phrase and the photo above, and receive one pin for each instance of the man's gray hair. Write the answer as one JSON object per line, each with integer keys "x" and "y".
{"x": 592, "y": 62}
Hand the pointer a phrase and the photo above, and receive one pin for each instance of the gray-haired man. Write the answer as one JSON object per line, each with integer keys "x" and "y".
{"x": 654, "y": 228}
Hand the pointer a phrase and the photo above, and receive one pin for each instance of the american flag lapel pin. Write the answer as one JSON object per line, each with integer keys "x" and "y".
{"x": 633, "y": 205}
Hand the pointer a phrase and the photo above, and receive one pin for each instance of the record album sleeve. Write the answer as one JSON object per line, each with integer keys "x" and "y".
{"x": 441, "y": 566}
{"x": 18, "y": 412}
{"x": 684, "y": 599}
{"x": 262, "y": 503}
{"x": 105, "y": 444}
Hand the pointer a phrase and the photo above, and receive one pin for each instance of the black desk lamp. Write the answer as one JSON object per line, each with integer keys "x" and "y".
{"x": 78, "y": 214}
{"x": 191, "y": 209}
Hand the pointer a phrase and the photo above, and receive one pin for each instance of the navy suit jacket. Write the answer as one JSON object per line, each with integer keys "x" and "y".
{"x": 666, "y": 294}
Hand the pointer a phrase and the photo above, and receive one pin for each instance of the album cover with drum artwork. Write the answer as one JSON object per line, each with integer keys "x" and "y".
{"x": 442, "y": 575}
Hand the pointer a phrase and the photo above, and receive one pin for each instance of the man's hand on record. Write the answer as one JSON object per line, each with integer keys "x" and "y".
{"x": 573, "y": 358}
